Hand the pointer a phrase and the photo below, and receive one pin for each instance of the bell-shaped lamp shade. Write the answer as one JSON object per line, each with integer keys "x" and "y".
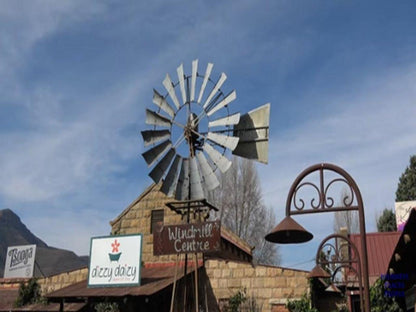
{"x": 288, "y": 232}
{"x": 318, "y": 272}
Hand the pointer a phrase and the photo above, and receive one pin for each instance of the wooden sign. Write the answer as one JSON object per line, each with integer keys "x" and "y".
{"x": 187, "y": 238}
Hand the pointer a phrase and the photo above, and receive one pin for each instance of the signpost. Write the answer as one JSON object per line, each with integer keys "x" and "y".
{"x": 115, "y": 261}
{"x": 20, "y": 261}
{"x": 201, "y": 237}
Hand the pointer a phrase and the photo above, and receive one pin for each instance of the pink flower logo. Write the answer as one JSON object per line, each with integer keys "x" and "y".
{"x": 115, "y": 246}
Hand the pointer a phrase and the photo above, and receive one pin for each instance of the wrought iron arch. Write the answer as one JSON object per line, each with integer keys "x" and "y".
{"x": 325, "y": 203}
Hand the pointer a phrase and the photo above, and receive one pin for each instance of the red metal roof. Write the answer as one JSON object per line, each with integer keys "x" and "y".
{"x": 51, "y": 307}
{"x": 380, "y": 247}
{"x": 7, "y": 298}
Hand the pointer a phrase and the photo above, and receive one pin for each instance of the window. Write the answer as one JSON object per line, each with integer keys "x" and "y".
{"x": 157, "y": 216}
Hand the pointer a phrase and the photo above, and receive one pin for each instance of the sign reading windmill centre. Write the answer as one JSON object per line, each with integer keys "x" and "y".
{"x": 115, "y": 261}
{"x": 20, "y": 261}
{"x": 187, "y": 238}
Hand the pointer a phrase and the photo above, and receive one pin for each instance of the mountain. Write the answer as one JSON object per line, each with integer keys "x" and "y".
{"x": 49, "y": 260}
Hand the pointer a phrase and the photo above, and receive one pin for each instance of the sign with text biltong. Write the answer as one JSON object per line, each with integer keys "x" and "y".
{"x": 201, "y": 237}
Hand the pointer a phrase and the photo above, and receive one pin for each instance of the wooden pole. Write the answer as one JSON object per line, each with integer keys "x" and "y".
{"x": 196, "y": 282}
{"x": 172, "y": 301}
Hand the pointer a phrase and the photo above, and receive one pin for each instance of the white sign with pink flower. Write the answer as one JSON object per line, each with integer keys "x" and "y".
{"x": 115, "y": 261}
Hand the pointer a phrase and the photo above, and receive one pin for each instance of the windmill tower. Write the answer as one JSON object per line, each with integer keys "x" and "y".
{"x": 193, "y": 133}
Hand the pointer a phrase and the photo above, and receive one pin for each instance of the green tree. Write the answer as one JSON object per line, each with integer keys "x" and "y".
{"x": 387, "y": 221}
{"x": 380, "y": 301}
{"x": 28, "y": 293}
{"x": 406, "y": 189}
{"x": 301, "y": 305}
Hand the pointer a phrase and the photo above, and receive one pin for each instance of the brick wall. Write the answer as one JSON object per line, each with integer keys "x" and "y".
{"x": 270, "y": 286}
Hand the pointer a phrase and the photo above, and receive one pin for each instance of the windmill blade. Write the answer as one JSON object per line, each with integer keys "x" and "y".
{"x": 226, "y": 121}
{"x": 167, "y": 83}
{"x": 204, "y": 83}
{"x": 193, "y": 79}
{"x": 223, "y": 140}
{"x": 215, "y": 89}
{"x": 154, "y": 153}
{"x": 153, "y": 118}
{"x": 219, "y": 160}
{"x": 182, "y": 188}
{"x": 210, "y": 179}
{"x": 154, "y": 136}
{"x": 181, "y": 79}
{"x": 227, "y": 100}
{"x": 161, "y": 102}
{"x": 171, "y": 180}
{"x": 195, "y": 179}
{"x": 253, "y": 131}
{"x": 162, "y": 166}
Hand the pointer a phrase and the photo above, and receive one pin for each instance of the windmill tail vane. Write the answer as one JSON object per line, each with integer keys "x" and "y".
{"x": 201, "y": 120}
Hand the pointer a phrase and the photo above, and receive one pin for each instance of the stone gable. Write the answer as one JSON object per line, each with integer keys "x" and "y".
{"x": 136, "y": 218}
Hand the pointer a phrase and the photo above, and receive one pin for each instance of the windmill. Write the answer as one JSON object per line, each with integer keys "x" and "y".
{"x": 204, "y": 123}
{"x": 193, "y": 134}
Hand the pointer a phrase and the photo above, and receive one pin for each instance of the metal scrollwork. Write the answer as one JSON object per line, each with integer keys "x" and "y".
{"x": 302, "y": 202}
{"x": 347, "y": 200}
{"x": 346, "y": 262}
{"x": 321, "y": 199}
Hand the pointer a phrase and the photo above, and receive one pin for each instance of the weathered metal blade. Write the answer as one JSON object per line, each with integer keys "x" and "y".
{"x": 195, "y": 179}
{"x": 223, "y": 140}
{"x": 193, "y": 79}
{"x": 227, "y": 100}
{"x": 154, "y": 136}
{"x": 219, "y": 160}
{"x": 162, "y": 166}
{"x": 153, "y": 118}
{"x": 217, "y": 86}
{"x": 226, "y": 121}
{"x": 181, "y": 78}
{"x": 161, "y": 102}
{"x": 171, "y": 180}
{"x": 182, "y": 189}
{"x": 253, "y": 131}
{"x": 210, "y": 179}
{"x": 167, "y": 83}
{"x": 154, "y": 153}
{"x": 204, "y": 82}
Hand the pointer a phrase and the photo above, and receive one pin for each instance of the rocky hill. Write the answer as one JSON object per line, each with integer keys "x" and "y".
{"x": 50, "y": 260}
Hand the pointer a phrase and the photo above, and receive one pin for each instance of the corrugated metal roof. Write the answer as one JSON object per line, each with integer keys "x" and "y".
{"x": 380, "y": 247}
{"x": 51, "y": 307}
{"x": 7, "y": 298}
{"x": 153, "y": 280}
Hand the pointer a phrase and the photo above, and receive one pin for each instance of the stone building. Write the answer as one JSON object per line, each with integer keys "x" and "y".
{"x": 221, "y": 274}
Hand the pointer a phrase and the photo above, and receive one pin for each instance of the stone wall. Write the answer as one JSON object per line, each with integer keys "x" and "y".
{"x": 137, "y": 219}
{"x": 55, "y": 282}
{"x": 270, "y": 286}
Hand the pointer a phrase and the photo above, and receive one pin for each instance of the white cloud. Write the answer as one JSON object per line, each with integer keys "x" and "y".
{"x": 370, "y": 134}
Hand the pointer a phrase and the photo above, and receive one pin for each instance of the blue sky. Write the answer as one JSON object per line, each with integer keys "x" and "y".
{"x": 76, "y": 77}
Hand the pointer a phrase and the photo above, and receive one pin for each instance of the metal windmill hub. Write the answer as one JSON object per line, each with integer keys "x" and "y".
{"x": 188, "y": 177}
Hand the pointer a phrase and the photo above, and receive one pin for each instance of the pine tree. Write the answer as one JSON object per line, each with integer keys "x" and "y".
{"x": 406, "y": 189}
{"x": 387, "y": 221}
